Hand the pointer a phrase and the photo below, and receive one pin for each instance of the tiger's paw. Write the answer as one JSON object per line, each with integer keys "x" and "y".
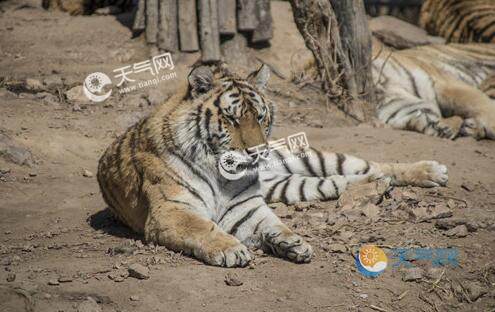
{"x": 449, "y": 128}
{"x": 231, "y": 257}
{"x": 428, "y": 174}
{"x": 288, "y": 245}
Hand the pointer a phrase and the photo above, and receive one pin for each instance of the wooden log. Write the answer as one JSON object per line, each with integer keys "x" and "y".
{"x": 208, "y": 28}
{"x": 356, "y": 43}
{"x": 226, "y": 17}
{"x": 264, "y": 30}
{"x": 167, "y": 26}
{"x": 246, "y": 15}
{"x": 152, "y": 21}
{"x": 188, "y": 26}
{"x": 140, "y": 16}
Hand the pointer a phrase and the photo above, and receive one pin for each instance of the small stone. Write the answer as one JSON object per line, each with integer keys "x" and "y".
{"x": 458, "y": 231}
{"x": 447, "y": 224}
{"x": 434, "y": 273}
{"x": 232, "y": 279}
{"x": 53, "y": 282}
{"x": 475, "y": 291}
{"x": 86, "y": 173}
{"x": 363, "y": 296}
{"x": 34, "y": 84}
{"x": 412, "y": 274}
{"x": 359, "y": 195}
{"x": 47, "y": 296}
{"x": 11, "y": 277}
{"x": 134, "y": 298}
{"x": 425, "y": 212}
{"x": 77, "y": 95}
{"x": 53, "y": 82}
{"x": 89, "y": 305}
{"x": 468, "y": 186}
{"x": 138, "y": 271}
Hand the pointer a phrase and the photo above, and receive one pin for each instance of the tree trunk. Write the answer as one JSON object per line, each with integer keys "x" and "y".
{"x": 337, "y": 60}
{"x": 226, "y": 17}
{"x": 246, "y": 15}
{"x": 263, "y": 31}
{"x": 152, "y": 21}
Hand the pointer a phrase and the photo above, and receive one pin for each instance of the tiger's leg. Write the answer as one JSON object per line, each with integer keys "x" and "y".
{"x": 180, "y": 226}
{"x": 473, "y": 105}
{"x": 252, "y": 222}
{"x": 323, "y": 175}
{"x": 408, "y": 112}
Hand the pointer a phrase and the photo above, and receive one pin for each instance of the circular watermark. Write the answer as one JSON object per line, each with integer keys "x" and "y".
{"x": 230, "y": 167}
{"x": 93, "y": 87}
{"x": 371, "y": 260}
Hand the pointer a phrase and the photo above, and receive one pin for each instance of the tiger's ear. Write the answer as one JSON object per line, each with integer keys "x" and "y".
{"x": 260, "y": 77}
{"x": 200, "y": 80}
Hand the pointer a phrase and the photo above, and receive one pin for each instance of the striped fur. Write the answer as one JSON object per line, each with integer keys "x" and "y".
{"x": 161, "y": 176}
{"x": 436, "y": 89}
{"x": 460, "y": 21}
{"x": 80, "y": 7}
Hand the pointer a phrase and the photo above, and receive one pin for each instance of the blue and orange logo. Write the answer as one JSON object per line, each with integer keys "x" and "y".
{"x": 371, "y": 261}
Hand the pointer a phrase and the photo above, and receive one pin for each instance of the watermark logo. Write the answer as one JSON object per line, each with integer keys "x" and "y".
{"x": 229, "y": 165}
{"x": 371, "y": 260}
{"x": 233, "y": 165}
{"x": 93, "y": 87}
{"x": 94, "y": 83}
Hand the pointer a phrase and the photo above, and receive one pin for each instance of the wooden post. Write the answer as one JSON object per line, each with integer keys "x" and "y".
{"x": 151, "y": 21}
{"x": 188, "y": 26}
{"x": 209, "y": 35}
{"x": 356, "y": 43}
{"x": 167, "y": 26}
{"x": 246, "y": 15}
{"x": 263, "y": 31}
{"x": 226, "y": 17}
{"x": 140, "y": 16}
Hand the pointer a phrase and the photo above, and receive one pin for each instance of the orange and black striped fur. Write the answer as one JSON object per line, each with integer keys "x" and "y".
{"x": 440, "y": 90}
{"x": 84, "y": 7}
{"x": 162, "y": 179}
{"x": 460, "y": 21}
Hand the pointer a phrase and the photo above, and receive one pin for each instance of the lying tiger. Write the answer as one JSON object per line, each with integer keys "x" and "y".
{"x": 161, "y": 177}
{"x": 460, "y": 21}
{"x": 440, "y": 90}
{"x": 85, "y": 7}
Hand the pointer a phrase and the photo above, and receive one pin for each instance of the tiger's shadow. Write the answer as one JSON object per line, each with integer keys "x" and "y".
{"x": 105, "y": 222}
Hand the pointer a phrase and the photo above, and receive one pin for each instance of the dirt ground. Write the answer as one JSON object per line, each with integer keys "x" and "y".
{"x": 60, "y": 246}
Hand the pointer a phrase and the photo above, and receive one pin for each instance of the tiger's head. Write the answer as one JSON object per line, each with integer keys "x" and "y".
{"x": 230, "y": 113}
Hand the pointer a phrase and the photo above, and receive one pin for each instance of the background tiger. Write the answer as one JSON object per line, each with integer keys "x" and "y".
{"x": 436, "y": 89}
{"x": 79, "y": 7}
{"x": 161, "y": 177}
{"x": 460, "y": 20}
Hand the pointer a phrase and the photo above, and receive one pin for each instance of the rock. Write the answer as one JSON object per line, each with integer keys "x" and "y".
{"x": 359, "y": 195}
{"x": 434, "y": 273}
{"x": 86, "y": 173}
{"x": 468, "y": 186}
{"x": 14, "y": 152}
{"x": 458, "y": 231}
{"x": 48, "y": 98}
{"x": 76, "y": 95}
{"x": 135, "y": 100}
{"x": 335, "y": 248}
{"x": 89, "y": 305}
{"x": 11, "y": 277}
{"x": 134, "y": 298}
{"x": 474, "y": 291}
{"x": 232, "y": 279}
{"x": 34, "y": 84}
{"x": 138, "y": 271}
{"x": 363, "y": 296}
{"x": 400, "y": 34}
{"x": 429, "y": 212}
{"x": 412, "y": 274}
{"x": 447, "y": 224}
{"x": 123, "y": 249}
{"x": 53, "y": 282}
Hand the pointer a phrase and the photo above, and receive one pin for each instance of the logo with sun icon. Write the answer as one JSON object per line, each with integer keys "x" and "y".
{"x": 371, "y": 261}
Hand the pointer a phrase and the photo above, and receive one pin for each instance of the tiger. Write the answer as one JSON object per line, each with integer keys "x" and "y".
{"x": 162, "y": 177}
{"x": 460, "y": 21}
{"x": 437, "y": 89}
{"x": 85, "y": 7}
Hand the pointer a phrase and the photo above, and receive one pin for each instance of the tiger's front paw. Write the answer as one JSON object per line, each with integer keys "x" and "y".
{"x": 428, "y": 174}
{"x": 449, "y": 128}
{"x": 231, "y": 257}
{"x": 286, "y": 244}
